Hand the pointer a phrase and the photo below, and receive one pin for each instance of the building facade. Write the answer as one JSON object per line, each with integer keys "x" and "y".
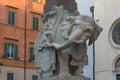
{"x": 19, "y": 25}
{"x": 107, "y": 47}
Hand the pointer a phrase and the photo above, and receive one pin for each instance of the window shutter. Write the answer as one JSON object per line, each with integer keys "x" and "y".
{"x": 12, "y": 76}
{"x": 5, "y": 49}
{"x": 9, "y": 17}
{"x": 31, "y": 53}
{"x": 13, "y": 18}
{"x": 33, "y": 23}
{"x": 36, "y": 23}
{"x": 12, "y": 51}
{"x": 8, "y": 76}
{"x": 15, "y": 51}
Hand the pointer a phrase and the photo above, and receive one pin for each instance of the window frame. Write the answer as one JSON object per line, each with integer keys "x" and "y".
{"x": 11, "y": 17}
{"x": 31, "y": 55}
{"x": 35, "y": 23}
{"x": 7, "y": 75}
{"x": 115, "y": 70}
{"x": 110, "y": 34}
{"x": 31, "y": 45}
{"x": 11, "y": 50}
{"x": 13, "y": 42}
{"x": 14, "y": 10}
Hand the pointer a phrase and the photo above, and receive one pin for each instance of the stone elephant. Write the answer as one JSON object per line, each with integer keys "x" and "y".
{"x": 75, "y": 31}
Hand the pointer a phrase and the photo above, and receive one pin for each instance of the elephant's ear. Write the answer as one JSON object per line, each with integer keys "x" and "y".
{"x": 95, "y": 34}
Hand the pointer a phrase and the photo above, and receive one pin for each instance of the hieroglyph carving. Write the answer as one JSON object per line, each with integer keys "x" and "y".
{"x": 61, "y": 47}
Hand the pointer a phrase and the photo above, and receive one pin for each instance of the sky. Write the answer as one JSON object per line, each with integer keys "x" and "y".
{"x": 84, "y": 6}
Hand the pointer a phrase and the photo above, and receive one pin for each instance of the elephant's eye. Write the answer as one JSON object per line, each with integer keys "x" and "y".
{"x": 88, "y": 31}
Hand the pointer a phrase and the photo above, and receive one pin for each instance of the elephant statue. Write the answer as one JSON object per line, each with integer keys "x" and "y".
{"x": 76, "y": 31}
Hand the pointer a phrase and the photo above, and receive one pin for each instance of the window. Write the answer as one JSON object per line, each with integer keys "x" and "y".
{"x": 115, "y": 34}
{"x": 116, "y": 69}
{"x": 10, "y": 51}
{"x": 32, "y": 57}
{"x": 37, "y": 0}
{"x": 34, "y": 77}
{"x": 11, "y": 17}
{"x": 35, "y": 23}
{"x": 10, "y": 76}
{"x": 118, "y": 77}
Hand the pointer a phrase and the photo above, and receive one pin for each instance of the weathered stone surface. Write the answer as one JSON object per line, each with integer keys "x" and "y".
{"x": 49, "y": 5}
{"x": 70, "y": 5}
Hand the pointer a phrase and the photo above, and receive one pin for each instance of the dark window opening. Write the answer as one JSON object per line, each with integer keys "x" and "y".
{"x": 32, "y": 57}
{"x": 11, "y": 17}
{"x": 10, "y": 76}
{"x": 34, "y": 77}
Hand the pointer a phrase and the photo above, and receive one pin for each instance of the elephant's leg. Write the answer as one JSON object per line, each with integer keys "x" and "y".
{"x": 79, "y": 71}
{"x": 63, "y": 62}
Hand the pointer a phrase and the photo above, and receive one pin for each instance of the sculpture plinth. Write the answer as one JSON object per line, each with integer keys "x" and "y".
{"x": 60, "y": 48}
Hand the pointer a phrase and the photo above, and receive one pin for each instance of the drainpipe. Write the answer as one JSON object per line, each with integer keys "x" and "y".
{"x": 25, "y": 39}
{"x": 92, "y": 11}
